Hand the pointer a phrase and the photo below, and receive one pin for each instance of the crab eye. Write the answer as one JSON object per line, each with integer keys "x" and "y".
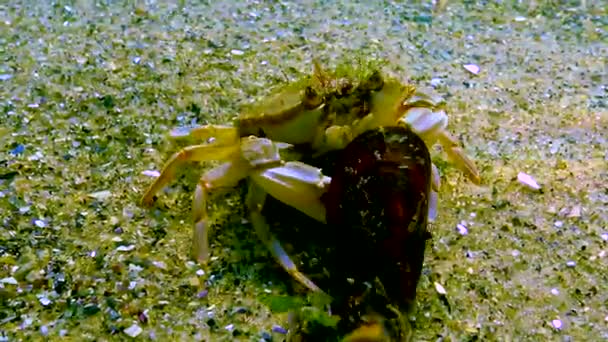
{"x": 311, "y": 98}
{"x": 375, "y": 81}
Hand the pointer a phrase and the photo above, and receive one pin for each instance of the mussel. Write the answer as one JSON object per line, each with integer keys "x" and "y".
{"x": 377, "y": 208}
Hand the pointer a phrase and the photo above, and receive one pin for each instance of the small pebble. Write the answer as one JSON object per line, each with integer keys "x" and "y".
{"x": 136, "y": 60}
{"x": 9, "y": 280}
{"x": 101, "y": 195}
{"x": 237, "y": 52}
{"x": 44, "y": 330}
{"x": 556, "y": 323}
{"x": 571, "y": 263}
{"x": 440, "y": 289}
{"x": 133, "y": 330}
{"x": 44, "y": 301}
{"x": 554, "y": 292}
{"x": 229, "y": 327}
{"x": 435, "y": 82}
{"x": 558, "y": 224}
{"x": 515, "y": 253}
{"x": 239, "y": 310}
{"x": 17, "y": 150}
{"x": 200, "y": 273}
{"x": 39, "y": 223}
{"x": 151, "y": 173}
{"x": 125, "y": 248}
{"x": 604, "y": 236}
{"x": 266, "y": 337}
{"x": 279, "y": 329}
{"x": 528, "y": 181}
{"x": 5, "y": 77}
{"x": 462, "y": 229}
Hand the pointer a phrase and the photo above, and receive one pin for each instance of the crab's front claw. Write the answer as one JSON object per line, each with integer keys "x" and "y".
{"x": 457, "y": 156}
{"x": 431, "y": 125}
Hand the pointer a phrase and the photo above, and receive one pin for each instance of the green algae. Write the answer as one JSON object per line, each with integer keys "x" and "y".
{"x": 90, "y": 90}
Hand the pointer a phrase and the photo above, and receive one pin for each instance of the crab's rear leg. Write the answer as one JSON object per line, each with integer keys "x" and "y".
{"x": 195, "y": 153}
{"x": 226, "y": 175}
{"x": 296, "y": 184}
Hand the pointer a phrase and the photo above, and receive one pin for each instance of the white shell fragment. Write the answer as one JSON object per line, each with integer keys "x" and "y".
{"x": 125, "y": 248}
{"x": 133, "y": 330}
{"x": 472, "y": 68}
{"x": 556, "y": 323}
{"x": 462, "y": 229}
{"x": 528, "y": 181}
{"x": 9, "y": 280}
{"x": 101, "y": 195}
{"x": 440, "y": 289}
{"x": 151, "y": 173}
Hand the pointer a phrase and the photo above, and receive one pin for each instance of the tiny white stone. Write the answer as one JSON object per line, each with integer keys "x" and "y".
{"x": 44, "y": 301}
{"x": 125, "y": 248}
{"x": 101, "y": 195}
{"x": 557, "y": 324}
{"x": 237, "y": 52}
{"x": 605, "y": 236}
{"x": 229, "y": 327}
{"x": 200, "y": 273}
{"x": 133, "y": 330}
{"x": 515, "y": 253}
{"x": 520, "y": 18}
{"x": 440, "y": 289}
{"x": 554, "y": 291}
{"x": 571, "y": 263}
{"x": 39, "y": 223}
{"x": 9, "y": 280}
{"x": 151, "y": 173}
{"x": 472, "y": 68}
{"x": 527, "y": 180}
{"x": 558, "y": 224}
{"x": 462, "y": 229}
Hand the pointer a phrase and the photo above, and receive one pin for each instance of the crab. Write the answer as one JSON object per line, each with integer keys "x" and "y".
{"x": 313, "y": 116}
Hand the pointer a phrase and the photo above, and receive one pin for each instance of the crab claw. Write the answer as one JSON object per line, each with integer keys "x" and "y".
{"x": 431, "y": 125}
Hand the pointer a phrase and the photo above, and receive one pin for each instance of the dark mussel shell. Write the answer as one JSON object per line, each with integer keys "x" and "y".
{"x": 377, "y": 205}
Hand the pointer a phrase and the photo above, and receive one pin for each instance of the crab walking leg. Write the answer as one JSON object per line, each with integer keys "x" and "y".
{"x": 256, "y": 197}
{"x": 433, "y": 196}
{"x": 457, "y": 156}
{"x": 223, "y": 176}
{"x": 222, "y": 134}
{"x": 196, "y": 153}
